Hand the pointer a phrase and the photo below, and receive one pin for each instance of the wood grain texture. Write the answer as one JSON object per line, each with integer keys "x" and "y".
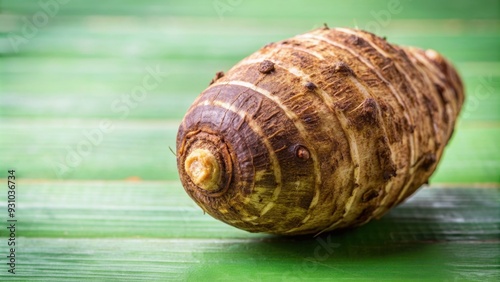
{"x": 114, "y": 230}
{"x": 92, "y": 227}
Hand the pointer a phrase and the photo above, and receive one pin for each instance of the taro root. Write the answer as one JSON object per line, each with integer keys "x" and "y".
{"x": 325, "y": 130}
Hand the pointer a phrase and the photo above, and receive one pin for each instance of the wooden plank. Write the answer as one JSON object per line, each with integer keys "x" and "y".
{"x": 314, "y": 10}
{"x": 251, "y": 260}
{"x": 73, "y": 230}
{"x": 102, "y": 95}
{"x": 119, "y": 209}
{"x": 79, "y": 149}
{"x": 88, "y": 226}
{"x": 139, "y": 40}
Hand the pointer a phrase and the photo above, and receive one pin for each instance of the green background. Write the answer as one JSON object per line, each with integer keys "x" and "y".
{"x": 111, "y": 207}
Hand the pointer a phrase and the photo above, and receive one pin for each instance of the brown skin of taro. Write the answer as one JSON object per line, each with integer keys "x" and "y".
{"x": 243, "y": 191}
{"x": 330, "y": 131}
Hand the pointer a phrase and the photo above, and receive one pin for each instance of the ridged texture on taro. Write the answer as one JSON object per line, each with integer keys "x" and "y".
{"x": 325, "y": 130}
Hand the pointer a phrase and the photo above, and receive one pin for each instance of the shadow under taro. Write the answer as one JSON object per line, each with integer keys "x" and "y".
{"x": 414, "y": 231}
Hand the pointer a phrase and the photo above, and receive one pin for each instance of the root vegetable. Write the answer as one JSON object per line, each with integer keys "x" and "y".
{"x": 325, "y": 130}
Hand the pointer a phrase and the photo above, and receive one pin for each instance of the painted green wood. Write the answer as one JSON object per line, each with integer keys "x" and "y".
{"x": 134, "y": 231}
{"x": 313, "y": 10}
{"x": 79, "y": 149}
{"x": 59, "y": 92}
{"x": 106, "y": 205}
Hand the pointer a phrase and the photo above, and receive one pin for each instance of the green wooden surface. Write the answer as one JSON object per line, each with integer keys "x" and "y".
{"x": 74, "y": 230}
{"x": 118, "y": 212}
